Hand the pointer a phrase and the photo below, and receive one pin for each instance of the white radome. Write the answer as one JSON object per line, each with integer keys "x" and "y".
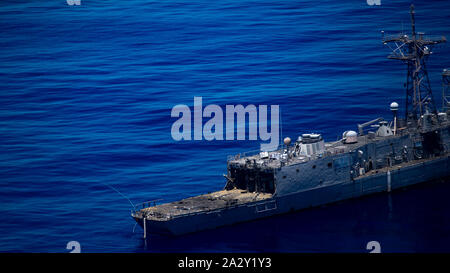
{"x": 350, "y": 137}
{"x": 394, "y": 106}
{"x": 287, "y": 141}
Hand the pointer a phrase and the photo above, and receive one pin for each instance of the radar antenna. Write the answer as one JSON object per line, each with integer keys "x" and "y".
{"x": 414, "y": 51}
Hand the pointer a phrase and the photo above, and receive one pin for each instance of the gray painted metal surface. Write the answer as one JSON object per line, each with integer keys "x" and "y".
{"x": 366, "y": 167}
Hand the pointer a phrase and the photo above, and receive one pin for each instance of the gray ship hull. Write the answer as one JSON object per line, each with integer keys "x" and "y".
{"x": 383, "y": 181}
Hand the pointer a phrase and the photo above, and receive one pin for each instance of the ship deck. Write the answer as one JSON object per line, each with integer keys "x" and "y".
{"x": 400, "y": 166}
{"x": 201, "y": 203}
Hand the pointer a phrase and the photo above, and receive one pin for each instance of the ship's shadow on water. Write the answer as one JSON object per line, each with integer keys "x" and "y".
{"x": 398, "y": 221}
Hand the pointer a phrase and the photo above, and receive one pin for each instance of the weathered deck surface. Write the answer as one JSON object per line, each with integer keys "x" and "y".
{"x": 205, "y": 202}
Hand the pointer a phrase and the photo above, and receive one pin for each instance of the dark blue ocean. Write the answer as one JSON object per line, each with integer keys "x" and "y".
{"x": 86, "y": 94}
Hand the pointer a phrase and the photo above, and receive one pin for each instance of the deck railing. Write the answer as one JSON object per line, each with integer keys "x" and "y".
{"x": 147, "y": 204}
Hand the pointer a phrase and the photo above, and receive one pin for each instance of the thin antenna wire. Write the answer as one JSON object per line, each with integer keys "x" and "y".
{"x": 116, "y": 190}
{"x": 281, "y": 128}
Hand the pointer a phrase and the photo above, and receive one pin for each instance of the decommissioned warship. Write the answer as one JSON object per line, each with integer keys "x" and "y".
{"x": 379, "y": 156}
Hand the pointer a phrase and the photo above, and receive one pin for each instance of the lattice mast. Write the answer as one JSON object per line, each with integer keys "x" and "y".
{"x": 414, "y": 51}
{"x": 446, "y": 90}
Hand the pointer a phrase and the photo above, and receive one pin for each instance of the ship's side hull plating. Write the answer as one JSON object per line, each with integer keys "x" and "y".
{"x": 394, "y": 178}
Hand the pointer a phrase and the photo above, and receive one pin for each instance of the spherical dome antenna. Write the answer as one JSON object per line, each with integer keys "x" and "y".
{"x": 287, "y": 141}
{"x": 394, "y": 106}
{"x": 350, "y": 137}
